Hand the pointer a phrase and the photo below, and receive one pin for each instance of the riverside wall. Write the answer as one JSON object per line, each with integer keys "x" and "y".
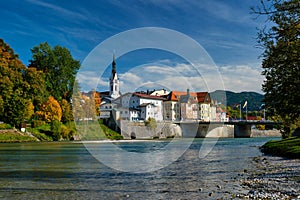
{"x": 138, "y": 130}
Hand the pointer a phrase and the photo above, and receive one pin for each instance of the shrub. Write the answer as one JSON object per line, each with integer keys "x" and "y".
{"x": 56, "y": 130}
{"x": 151, "y": 123}
{"x": 37, "y": 123}
{"x": 5, "y": 126}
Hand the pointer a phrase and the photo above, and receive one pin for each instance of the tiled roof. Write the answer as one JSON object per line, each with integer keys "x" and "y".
{"x": 147, "y": 96}
{"x": 201, "y": 96}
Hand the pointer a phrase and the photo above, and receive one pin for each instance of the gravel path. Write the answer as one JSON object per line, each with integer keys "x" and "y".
{"x": 271, "y": 178}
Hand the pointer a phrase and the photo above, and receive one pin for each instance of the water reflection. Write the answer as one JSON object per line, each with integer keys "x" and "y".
{"x": 68, "y": 171}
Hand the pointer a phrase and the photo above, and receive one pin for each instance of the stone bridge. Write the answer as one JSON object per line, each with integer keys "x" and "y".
{"x": 237, "y": 129}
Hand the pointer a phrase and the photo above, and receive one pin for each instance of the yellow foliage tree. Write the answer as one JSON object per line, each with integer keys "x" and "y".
{"x": 29, "y": 111}
{"x": 50, "y": 110}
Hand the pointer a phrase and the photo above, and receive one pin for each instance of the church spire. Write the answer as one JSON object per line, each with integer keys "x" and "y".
{"x": 114, "y": 85}
{"x": 114, "y": 70}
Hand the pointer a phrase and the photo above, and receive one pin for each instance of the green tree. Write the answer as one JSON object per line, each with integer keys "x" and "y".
{"x": 151, "y": 123}
{"x": 281, "y": 59}
{"x": 77, "y": 101}
{"x": 66, "y": 111}
{"x": 37, "y": 90}
{"x": 56, "y": 130}
{"x": 59, "y": 67}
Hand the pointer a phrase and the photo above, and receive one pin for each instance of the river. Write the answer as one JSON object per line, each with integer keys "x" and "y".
{"x": 61, "y": 170}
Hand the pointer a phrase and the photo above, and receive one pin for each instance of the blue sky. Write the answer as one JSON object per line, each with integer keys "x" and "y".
{"x": 225, "y": 29}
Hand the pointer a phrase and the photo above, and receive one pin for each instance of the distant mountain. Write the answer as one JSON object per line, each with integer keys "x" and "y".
{"x": 254, "y": 99}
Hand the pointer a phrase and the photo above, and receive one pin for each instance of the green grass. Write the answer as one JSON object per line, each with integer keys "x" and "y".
{"x": 96, "y": 131}
{"x": 289, "y": 148}
{"x": 40, "y": 135}
{"x": 13, "y": 136}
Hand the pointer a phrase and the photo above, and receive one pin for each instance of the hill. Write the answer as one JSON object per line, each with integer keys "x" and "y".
{"x": 254, "y": 99}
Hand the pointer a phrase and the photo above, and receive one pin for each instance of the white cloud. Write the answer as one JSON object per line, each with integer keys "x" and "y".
{"x": 88, "y": 80}
{"x": 59, "y": 10}
{"x": 242, "y": 78}
{"x": 182, "y": 76}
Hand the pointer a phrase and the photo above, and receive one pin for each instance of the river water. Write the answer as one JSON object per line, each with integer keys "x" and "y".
{"x": 68, "y": 171}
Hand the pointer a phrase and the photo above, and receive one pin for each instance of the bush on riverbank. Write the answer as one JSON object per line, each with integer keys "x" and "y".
{"x": 54, "y": 131}
{"x": 4, "y": 126}
{"x": 289, "y": 148}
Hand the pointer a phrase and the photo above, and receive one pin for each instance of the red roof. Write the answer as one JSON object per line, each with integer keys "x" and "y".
{"x": 202, "y": 97}
{"x": 147, "y": 96}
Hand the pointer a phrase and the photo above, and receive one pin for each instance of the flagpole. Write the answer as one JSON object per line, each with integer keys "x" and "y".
{"x": 246, "y": 111}
{"x": 240, "y": 111}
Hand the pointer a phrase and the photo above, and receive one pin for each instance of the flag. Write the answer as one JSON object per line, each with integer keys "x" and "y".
{"x": 245, "y": 104}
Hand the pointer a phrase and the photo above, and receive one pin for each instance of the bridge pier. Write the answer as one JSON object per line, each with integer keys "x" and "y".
{"x": 242, "y": 131}
{"x": 202, "y": 130}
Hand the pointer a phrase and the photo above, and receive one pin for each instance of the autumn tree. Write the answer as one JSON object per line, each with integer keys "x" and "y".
{"x": 12, "y": 86}
{"x": 59, "y": 67}
{"x": 281, "y": 59}
{"x": 50, "y": 110}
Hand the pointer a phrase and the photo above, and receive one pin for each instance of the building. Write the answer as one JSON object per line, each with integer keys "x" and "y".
{"x": 162, "y": 92}
{"x": 114, "y": 83}
{"x": 108, "y": 97}
{"x": 140, "y": 106}
{"x": 187, "y": 106}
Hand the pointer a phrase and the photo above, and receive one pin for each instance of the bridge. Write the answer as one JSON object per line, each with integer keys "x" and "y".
{"x": 240, "y": 128}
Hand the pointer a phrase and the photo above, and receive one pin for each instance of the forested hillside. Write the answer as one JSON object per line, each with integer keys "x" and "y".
{"x": 254, "y": 100}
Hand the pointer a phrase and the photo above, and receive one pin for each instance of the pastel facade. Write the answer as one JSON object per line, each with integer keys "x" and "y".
{"x": 187, "y": 106}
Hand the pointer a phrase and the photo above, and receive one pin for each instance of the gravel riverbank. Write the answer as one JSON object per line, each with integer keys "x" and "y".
{"x": 271, "y": 178}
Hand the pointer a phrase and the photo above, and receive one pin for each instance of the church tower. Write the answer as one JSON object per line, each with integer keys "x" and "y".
{"x": 114, "y": 85}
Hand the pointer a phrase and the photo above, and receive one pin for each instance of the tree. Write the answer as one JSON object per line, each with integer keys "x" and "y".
{"x": 151, "y": 123}
{"x": 59, "y": 67}
{"x": 78, "y": 112}
{"x": 37, "y": 90}
{"x": 12, "y": 86}
{"x": 50, "y": 110}
{"x": 1, "y": 105}
{"x": 281, "y": 59}
{"x": 66, "y": 111}
{"x": 56, "y": 130}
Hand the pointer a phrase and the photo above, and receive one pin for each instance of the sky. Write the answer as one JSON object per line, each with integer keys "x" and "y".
{"x": 225, "y": 30}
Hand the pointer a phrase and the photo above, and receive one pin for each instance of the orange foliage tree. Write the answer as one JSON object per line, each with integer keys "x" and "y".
{"x": 50, "y": 110}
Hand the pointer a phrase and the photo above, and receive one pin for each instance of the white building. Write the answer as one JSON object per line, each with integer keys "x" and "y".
{"x": 114, "y": 83}
{"x": 146, "y": 105}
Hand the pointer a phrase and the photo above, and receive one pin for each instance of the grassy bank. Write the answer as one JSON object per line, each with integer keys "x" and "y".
{"x": 96, "y": 131}
{"x": 15, "y": 136}
{"x": 289, "y": 148}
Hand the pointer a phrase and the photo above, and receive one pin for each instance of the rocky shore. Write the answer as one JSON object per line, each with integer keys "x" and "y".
{"x": 271, "y": 178}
